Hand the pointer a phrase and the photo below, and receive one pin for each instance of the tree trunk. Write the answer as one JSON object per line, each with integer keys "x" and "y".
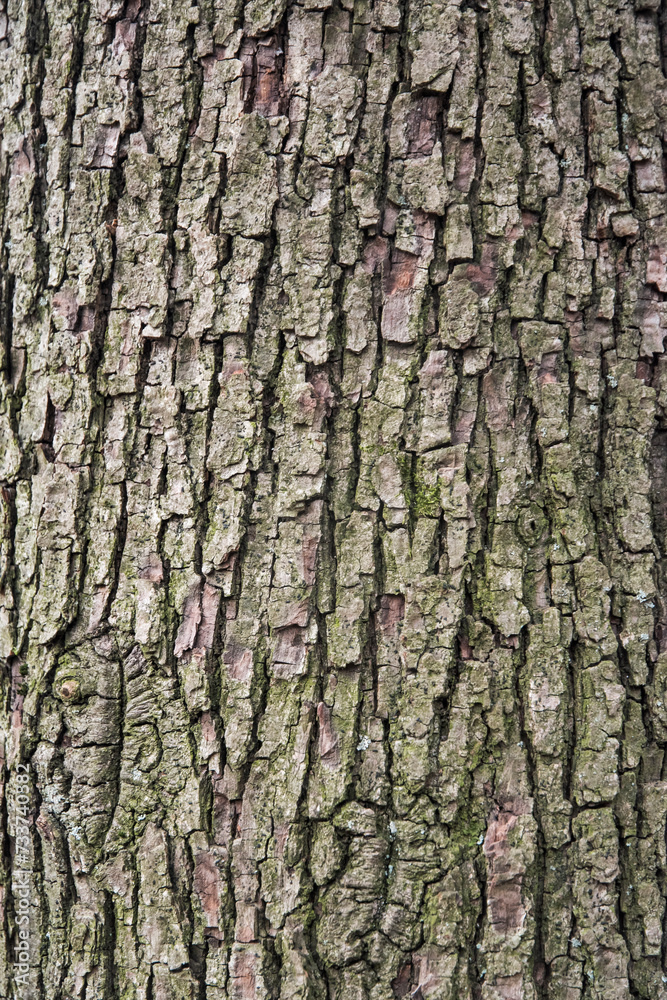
{"x": 333, "y": 454}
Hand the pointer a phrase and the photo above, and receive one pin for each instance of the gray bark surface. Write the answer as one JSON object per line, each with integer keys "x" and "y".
{"x": 333, "y": 468}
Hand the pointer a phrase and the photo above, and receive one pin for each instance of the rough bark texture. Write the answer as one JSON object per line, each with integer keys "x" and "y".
{"x": 333, "y": 454}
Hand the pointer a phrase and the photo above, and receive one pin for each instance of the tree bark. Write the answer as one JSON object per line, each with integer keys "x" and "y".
{"x": 333, "y": 455}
